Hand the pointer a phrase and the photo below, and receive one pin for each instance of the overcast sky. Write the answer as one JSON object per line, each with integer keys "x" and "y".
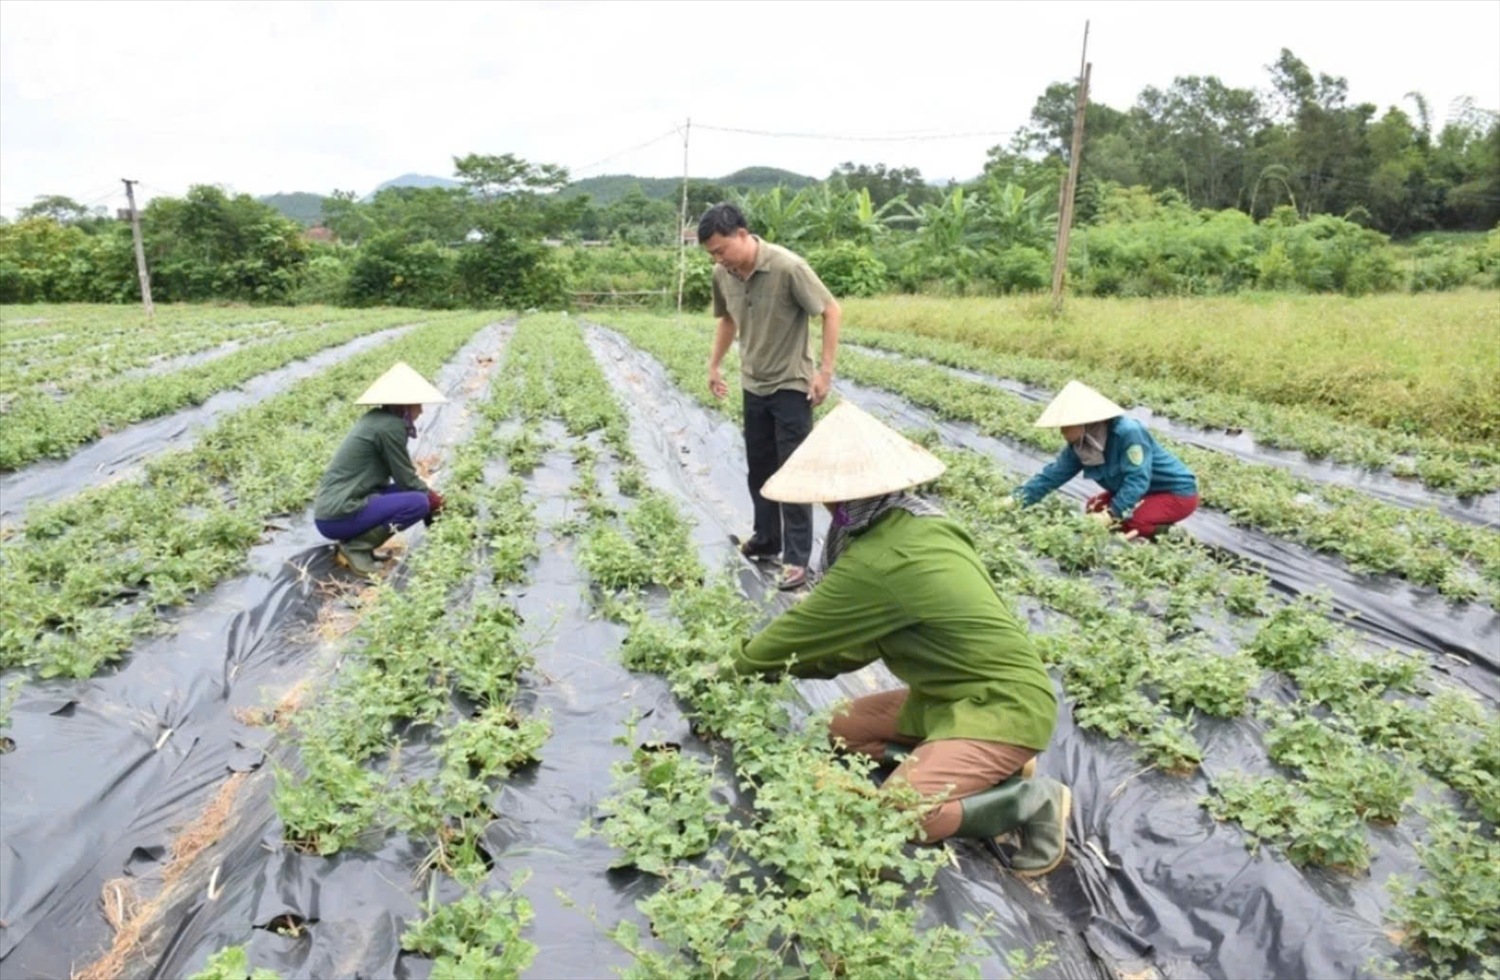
{"x": 264, "y": 97}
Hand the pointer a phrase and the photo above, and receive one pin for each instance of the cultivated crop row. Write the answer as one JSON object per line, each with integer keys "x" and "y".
{"x": 440, "y": 649}
{"x": 87, "y": 575}
{"x": 1459, "y": 560}
{"x": 813, "y": 878}
{"x": 1423, "y": 546}
{"x": 1141, "y": 657}
{"x": 84, "y": 355}
{"x": 1464, "y": 468}
{"x": 38, "y": 425}
{"x": 46, "y": 329}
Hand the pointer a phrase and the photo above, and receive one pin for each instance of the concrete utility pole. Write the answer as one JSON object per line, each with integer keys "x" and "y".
{"x": 682, "y": 218}
{"x": 140, "y": 251}
{"x": 1065, "y": 200}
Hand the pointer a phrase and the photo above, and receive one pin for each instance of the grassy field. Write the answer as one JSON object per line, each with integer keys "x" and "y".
{"x": 1425, "y": 364}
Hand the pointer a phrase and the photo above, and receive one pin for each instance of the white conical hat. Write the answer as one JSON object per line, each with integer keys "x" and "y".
{"x": 1078, "y": 404}
{"x": 849, "y": 456}
{"x": 401, "y": 386}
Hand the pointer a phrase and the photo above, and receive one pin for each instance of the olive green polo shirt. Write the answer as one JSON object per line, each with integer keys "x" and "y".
{"x": 912, "y": 591}
{"x": 770, "y": 311}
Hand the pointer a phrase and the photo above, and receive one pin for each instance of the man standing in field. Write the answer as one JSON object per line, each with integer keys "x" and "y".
{"x": 764, "y": 294}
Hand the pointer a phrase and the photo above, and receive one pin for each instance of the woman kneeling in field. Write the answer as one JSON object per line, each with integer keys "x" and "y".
{"x": 902, "y": 583}
{"x": 1146, "y": 488}
{"x": 371, "y": 490}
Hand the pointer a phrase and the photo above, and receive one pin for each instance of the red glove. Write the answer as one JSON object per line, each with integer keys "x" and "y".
{"x": 434, "y": 501}
{"x": 1098, "y": 501}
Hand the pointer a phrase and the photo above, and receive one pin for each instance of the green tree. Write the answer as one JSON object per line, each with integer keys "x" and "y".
{"x": 883, "y": 183}
{"x": 390, "y": 270}
{"x": 209, "y": 245}
{"x": 61, "y": 209}
{"x": 492, "y": 176}
{"x": 346, "y": 217}
{"x": 507, "y": 269}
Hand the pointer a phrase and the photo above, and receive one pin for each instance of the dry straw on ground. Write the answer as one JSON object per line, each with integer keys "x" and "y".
{"x": 132, "y": 916}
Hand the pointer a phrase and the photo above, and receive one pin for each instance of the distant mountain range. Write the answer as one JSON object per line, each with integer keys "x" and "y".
{"x": 413, "y": 180}
{"x": 307, "y": 209}
{"x": 608, "y": 188}
{"x": 304, "y": 208}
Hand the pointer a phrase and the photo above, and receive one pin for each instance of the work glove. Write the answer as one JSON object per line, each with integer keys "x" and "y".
{"x": 1102, "y": 517}
{"x": 434, "y": 505}
{"x": 1009, "y": 502}
{"x": 1098, "y": 501}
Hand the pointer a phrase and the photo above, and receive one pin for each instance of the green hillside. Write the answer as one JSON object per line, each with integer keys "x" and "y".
{"x": 608, "y": 188}
{"x": 303, "y": 208}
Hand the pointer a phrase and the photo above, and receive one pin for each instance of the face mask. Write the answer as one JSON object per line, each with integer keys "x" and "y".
{"x": 1090, "y": 446}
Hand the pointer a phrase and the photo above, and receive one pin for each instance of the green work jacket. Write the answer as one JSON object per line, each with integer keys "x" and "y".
{"x": 911, "y": 591}
{"x": 371, "y": 456}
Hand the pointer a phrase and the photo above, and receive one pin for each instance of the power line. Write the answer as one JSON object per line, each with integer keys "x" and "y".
{"x": 674, "y": 131}
{"x": 915, "y": 137}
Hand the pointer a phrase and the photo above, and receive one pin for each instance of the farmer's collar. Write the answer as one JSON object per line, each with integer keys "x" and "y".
{"x": 762, "y": 259}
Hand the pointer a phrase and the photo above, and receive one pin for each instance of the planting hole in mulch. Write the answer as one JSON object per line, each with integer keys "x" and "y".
{"x": 288, "y": 924}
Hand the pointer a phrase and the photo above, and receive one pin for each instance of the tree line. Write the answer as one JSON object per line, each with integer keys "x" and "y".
{"x": 1197, "y": 188}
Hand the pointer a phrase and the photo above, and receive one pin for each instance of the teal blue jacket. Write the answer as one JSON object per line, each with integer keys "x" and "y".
{"x": 1134, "y": 465}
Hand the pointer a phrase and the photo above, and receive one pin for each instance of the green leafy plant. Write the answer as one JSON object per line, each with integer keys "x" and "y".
{"x": 477, "y": 937}
{"x": 233, "y": 963}
{"x": 1452, "y": 916}
{"x": 663, "y": 809}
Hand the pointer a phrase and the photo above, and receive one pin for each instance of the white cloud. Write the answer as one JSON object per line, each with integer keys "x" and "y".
{"x": 315, "y": 96}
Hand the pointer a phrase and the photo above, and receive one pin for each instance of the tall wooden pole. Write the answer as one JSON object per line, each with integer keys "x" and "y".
{"x": 1065, "y": 203}
{"x": 682, "y": 218}
{"x": 140, "y": 250}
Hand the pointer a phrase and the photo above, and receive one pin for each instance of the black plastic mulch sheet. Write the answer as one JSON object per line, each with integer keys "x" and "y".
{"x": 1154, "y": 885}
{"x": 1379, "y": 484}
{"x": 105, "y": 771}
{"x": 1384, "y": 607}
{"x": 113, "y": 456}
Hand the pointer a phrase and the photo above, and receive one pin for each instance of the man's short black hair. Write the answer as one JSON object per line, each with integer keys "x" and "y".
{"x": 721, "y": 219}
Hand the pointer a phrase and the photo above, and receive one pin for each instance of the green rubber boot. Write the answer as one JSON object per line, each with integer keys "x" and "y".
{"x": 896, "y": 753}
{"x": 359, "y": 552}
{"x": 1039, "y": 808}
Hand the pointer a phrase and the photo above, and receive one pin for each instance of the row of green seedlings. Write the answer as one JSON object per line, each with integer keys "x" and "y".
{"x": 440, "y": 654}
{"x": 1420, "y": 545}
{"x": 1465, "y": 469}
{"x": 1172, "y": 582}
{"x": 66, "y": 337}
{"x": 1144, "y": 633}
{"x": 817, "y": 879}
{"x": 39, "y": 425}
{"x": 548, "y": 373}
{"x": 1115, "y": 659}
{"x": 1355, "y": 737}
{"x": 87, "y": 359}
{"x": 818, "y": 882}
{"x": 87, "y": 575}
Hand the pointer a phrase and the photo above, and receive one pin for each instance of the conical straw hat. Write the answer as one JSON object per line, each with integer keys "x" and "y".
{"x": 849, "y": 456}
{"x": 401, "y": 386}
{"x": 1078, "y": 404}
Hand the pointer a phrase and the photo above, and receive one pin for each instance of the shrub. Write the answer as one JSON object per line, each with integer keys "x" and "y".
{"x": 1019, "y": 269}
{"x": 848, "y": 269}
{"x": 391, "y": 272}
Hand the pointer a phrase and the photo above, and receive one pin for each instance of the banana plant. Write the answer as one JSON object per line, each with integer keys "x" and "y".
{"x": 771, "y": 214}
{"x": 1016, "y": 217}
